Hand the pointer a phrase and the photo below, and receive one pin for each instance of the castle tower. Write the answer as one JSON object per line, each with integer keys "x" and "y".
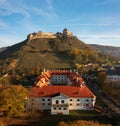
{"x": 67, "y": 33}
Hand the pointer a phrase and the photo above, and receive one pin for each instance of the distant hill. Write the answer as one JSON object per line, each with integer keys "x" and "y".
{"x": 2, "y": 49}
{"x": 109, "y": 50}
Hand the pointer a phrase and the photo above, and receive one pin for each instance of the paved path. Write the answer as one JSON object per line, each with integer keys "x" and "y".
{"x": 112, "y": 106}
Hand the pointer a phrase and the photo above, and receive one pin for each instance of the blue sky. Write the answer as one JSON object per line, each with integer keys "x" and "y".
{"x": 93, "y": 21}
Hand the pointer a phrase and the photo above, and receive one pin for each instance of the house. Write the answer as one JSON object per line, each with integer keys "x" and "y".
{"x": 60, "y": 91}
{"x": 113, "y": 76}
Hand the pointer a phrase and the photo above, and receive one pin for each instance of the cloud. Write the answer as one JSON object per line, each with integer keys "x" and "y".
{"x": 49, "y": 5}
{"x": 103, "y": 39}
{"x": 8, "y": 7}
{"x": 46, "y": 10}
{"x": 99, "y": 36}
{"x": 3, "y": 25}
{"x": 9, "y": 39}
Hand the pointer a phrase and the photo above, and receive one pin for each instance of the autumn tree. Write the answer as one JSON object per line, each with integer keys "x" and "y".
{"x": 1, "y": 123}
{"x": 12, "y": 99}
{"x": 82, "y": 123}
{"x": 101, "y": 78}
{"x": 74, "y": 52}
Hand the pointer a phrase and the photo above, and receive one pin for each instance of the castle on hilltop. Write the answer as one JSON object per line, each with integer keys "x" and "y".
{"x": 41, "y": 34}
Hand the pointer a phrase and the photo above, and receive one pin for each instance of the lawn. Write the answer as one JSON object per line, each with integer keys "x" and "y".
{"x": 45, "y": 119}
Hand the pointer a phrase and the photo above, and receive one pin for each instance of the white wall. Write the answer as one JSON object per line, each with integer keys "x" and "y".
{"x": 81, "y": 103}
{"x": 43, "y": 103}
{"x": 58, "y": 79}
{"x": 47, "y": 103}
{"x": 61, "y": 107}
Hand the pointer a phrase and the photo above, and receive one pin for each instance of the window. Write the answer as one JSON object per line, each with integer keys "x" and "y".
{"x": 48, "y": 99}
{"x": 54, "y": 108}
{"x": 70, "y": 104}
{"x": 43, "y": 99}
{"x": 62, "y": 101}
{"x": 57, "y": 102}
{"x": 78, "y": 104}
{"x": 59, "y": 108}
{"x": 70, "y": 99}
{"x": 78, "y": 99}
{"x": 43, "y": 103}
{"x": 48, "y": 103}
{"x": 64, "y": 108}
{"x": 87, "y": 100}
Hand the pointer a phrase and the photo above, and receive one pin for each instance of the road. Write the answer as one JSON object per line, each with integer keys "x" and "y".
{"x": 112, "y": 106}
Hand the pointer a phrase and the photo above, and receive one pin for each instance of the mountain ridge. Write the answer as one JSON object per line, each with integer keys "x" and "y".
{"x": 109, "y": 50}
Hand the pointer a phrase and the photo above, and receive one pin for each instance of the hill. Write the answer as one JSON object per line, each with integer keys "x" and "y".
{"x": 46, "y": 51}
{"x": 109, "y": 50}
{"x": 2, "y": 49}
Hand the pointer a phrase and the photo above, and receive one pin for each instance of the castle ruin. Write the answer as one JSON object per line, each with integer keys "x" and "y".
{"x": 41, "y": 34}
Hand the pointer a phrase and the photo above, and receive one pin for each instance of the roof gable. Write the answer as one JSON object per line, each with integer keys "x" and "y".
{"x": 59, "y": 95}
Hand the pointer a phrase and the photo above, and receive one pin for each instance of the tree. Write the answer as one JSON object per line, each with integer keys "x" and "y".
{"x": 101, "y": 77}
{"x": 12, "y": 99}
{"x": 1, "y": 123}
{"x": 82, "y": 123}
{"x": 74, "y": 52}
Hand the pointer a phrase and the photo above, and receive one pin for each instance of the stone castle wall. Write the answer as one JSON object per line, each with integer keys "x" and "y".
{"x": 41, "y": 34}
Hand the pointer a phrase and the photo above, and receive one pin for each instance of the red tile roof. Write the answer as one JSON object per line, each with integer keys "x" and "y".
{"x": 74, "y": 77}
{"x": 71, "y": 91}
{"x": 74, "y": 90}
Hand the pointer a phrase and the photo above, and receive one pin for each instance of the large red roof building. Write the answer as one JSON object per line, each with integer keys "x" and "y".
{"x": 60, "y": 91}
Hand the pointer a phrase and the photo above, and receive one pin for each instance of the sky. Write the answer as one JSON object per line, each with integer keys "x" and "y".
{"x": 92, "y": 21}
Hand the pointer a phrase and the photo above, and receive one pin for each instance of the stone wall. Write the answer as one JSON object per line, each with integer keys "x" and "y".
{"x": 41, "y": 34}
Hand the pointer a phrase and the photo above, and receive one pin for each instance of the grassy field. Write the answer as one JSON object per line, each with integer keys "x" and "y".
{"x": 45, "y": 119}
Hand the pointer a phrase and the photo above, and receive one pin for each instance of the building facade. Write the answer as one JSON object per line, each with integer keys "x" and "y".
{"x": 113, "y": 76}
{"x": 60, "y": 92}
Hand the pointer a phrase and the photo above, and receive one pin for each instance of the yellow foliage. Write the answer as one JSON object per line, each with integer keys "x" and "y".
{"x": 13, "y": 64}
{"x": 82, "y": 123}
{"x": 1, "y": 123}
{"x": 75, "y": 51}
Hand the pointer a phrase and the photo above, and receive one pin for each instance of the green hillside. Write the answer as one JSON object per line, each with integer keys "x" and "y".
{"x": 61, "y": 52}
{"x": 30, "y": 56}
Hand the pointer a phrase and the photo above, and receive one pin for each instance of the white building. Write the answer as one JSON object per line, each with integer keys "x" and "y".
{"x": 113, "y": 76}
{"x": 65, "y": 91}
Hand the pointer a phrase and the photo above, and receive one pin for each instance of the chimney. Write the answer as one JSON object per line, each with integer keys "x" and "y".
{"x": 77, "y": 72}
{"x": 81, "y": 85}
{"x": 77, "y": 79}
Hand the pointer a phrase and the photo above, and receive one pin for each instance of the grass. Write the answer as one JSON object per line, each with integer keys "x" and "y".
{"x": 45, "y": 119}
{"x": 84, "y": 113}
